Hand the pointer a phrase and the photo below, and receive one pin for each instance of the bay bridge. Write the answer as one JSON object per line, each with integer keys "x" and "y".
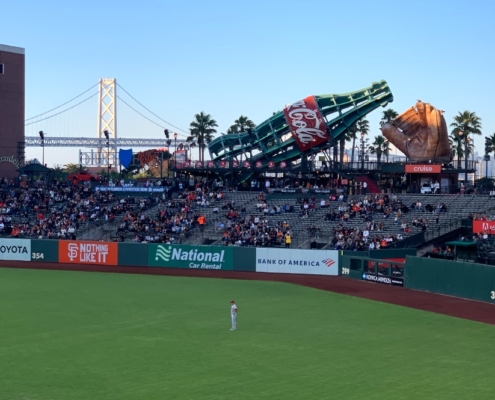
{"x": 68, "y": 125}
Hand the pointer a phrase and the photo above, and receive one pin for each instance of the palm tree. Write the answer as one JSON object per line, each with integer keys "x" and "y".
{"x": 379, "y": 146}
{"x": 466, "y": 123}
{"x": 202, "y": 130}
{"x": 232, "y": 130}
{"x": 347, "y": 136}
{"x": 456, "y": 147}
{"x": 389, "y": 115}
{"x": 243, "y": 123}
{"x": 490, "y": 144}
{"x": 57, "y": 171}
{"x": 192, "y": 144}
{"x": 72, "y": 168}
{"x": 363, "y": 126}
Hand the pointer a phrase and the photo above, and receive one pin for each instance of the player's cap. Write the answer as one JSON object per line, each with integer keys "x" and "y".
{"x": 232, "y": 301}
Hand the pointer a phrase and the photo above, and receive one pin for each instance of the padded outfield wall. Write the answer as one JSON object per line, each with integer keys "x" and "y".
{"x": 111, "y": 254}
{"x": 453, "y": 278}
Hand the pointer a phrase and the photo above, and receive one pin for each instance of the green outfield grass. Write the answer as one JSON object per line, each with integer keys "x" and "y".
{"x": 77, "y": 335}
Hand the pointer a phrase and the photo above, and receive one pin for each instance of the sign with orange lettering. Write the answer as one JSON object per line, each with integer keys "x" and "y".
{"x": 423, "y": 168}
{"x": 484, "y": 226}
{"x": 77, "y": 252}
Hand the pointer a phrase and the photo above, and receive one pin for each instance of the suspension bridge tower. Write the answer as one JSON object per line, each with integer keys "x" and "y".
{"x": 107, "y": 120}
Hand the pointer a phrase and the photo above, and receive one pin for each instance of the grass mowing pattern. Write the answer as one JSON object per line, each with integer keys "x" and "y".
{"x": 77, "y": 335}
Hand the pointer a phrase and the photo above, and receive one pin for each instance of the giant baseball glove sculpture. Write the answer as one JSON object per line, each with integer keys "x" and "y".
{"x": 420, "y": 133}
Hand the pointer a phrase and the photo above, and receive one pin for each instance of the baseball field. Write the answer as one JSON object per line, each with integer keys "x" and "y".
{"x": 78, "y": 335}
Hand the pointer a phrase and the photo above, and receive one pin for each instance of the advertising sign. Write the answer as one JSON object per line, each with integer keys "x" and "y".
{"x": 295, "y": 261}
{"x": 180, "y": 158}
{"x": 246, "y": 164}
{"x": 306, "y": 123}
{"x": 78, "y": 252}
{"x": 128, "y": 189}
{"x": 383, "y": 279}
{"x": 484, "y": 226}
{"x": 199, "y": 164}
{"x": 188, "y": 256}
{"x": 15, "y": 249}
{"x": 210, "y": 164}
{"x": 423, "y": 168}
{"x": 283, "y": 164}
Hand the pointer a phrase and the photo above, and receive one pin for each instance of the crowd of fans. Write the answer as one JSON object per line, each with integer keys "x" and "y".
{"x": 52, "y": 211}
{"x": 373, "y": 213}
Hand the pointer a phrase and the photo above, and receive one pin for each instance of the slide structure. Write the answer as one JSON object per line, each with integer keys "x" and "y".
{"x": 304, "y": 128}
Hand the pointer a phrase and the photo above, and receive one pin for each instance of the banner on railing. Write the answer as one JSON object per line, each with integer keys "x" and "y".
{"x": 484, "y": 226}
{"x": 15, "y": 249}
{"x": 295, "y": 261}
{"x": 188, "y": 256}
{"x": 129, "y": 189}
{"x": 78, "y": 252}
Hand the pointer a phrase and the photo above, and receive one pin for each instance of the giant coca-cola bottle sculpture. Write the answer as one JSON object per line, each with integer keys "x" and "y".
{"x": 305, "y": 127}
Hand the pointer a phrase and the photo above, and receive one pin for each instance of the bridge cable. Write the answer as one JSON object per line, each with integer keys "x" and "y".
{"x": 67, "y": 102}
{"x": 151, "y": 112}
{"x": 142, "y": 115}
{"x": 61, "y": 112}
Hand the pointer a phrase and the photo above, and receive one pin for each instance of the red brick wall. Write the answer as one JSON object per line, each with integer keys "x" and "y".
{"x": 12, "y": 104}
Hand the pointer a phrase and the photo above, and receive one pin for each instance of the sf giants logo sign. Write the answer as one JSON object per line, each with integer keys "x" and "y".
{"x": 88, "y": 252}
{"x": 306, "y": 123}
{"x": 484, "y": 226}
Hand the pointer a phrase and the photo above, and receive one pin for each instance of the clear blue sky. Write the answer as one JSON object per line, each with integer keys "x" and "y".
{"x": 251, "y": 57}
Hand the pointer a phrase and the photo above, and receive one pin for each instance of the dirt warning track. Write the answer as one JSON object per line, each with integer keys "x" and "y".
{"x": 453, "y": 306}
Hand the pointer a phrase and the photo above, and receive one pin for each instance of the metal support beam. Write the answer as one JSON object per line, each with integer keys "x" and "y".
{"x": 35, "y": 141}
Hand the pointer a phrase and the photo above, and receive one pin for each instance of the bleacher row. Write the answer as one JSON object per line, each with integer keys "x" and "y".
{"x": 457, "y": 207}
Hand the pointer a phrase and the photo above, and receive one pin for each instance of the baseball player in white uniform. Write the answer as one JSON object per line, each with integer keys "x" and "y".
{"x": 233, "y": 315}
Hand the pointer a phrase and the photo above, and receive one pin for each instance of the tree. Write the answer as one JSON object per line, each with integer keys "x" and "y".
{"x": 347, "y": 136}
{"x": 490, "y": 144}
{"x": 465, "y": 124}
{"x": 379, "y": 146}
{"x": 243, "y": 123}
{"x": 233, "y": 130}
{"x": 58, "y": 171}
{"x": 389, "y": 115}
{"x": 202, "y": 130}
{"x": 456, "y": 147}
{"x": 72, "y": 168}
{"x": 362, "y": 126}
{"x": 192, "y": 143}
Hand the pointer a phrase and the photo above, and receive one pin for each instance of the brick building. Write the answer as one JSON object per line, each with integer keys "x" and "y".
{"x": 12, "y": 104}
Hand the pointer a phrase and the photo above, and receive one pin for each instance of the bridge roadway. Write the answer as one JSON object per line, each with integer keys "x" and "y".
{"x": 35, "y": 141}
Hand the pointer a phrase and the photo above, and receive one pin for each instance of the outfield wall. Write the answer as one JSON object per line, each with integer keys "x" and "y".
{"x": 225, "y": 258}
{"x": 453, "y": 278}
{"x": 396, "y": 267}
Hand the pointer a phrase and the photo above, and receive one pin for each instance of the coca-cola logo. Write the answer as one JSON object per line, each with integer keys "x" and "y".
{"x": 246, "y": 164}
{"x": 283, "y": 164}
{"x": 259, "y": 164}
{"x": 235, "y": 164}
{"x": 199, "y": 164}
{"x": 306, "y": 123}
{"x": 271, "y": 164}
{"x": 211, "y": 164}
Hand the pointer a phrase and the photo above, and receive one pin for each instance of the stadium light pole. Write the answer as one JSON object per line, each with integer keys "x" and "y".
{"x": 175, "y": 154}
{"x": 108, "y": 153}
{"x": 42, "y": 137}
